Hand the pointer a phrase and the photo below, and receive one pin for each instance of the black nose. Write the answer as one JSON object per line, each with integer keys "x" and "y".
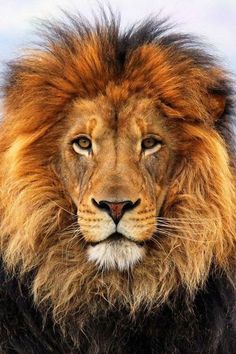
{"x": 116, "y": 209}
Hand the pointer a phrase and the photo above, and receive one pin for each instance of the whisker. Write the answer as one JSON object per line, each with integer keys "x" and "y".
{"x": 61, "y": 207}
{"x": 170, "y": 252}
{"x": 176, "y": 227}
{"x": 175, "y": 222}
{"x": 72, "y": 227}
{"x": 157, "y": 242}
{"x": 184, "y": 218}
{"x": 170, "y": 234}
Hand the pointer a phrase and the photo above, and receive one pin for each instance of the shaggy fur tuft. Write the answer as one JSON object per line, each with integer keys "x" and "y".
{"x": 192, "y": 252}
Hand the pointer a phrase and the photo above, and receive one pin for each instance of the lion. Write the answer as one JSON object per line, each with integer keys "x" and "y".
{"x": 118, "y": 201}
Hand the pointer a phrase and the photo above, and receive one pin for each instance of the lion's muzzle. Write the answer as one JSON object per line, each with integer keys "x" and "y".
{"x": 116, "y": 209}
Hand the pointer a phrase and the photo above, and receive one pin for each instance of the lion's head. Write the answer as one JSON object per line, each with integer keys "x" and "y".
{"x": 116, "y": 182}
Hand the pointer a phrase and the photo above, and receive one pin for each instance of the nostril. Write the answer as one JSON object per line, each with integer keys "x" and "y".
{"x": 116, "y": 209}
{"x": 101, "y": 205}
{"x": 130, "y": 205}
{"x": 95, "y": 203}
{"x": 104, "y": 205}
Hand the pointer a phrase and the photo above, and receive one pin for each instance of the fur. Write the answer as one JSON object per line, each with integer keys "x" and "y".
{"x": 180, "y": 298}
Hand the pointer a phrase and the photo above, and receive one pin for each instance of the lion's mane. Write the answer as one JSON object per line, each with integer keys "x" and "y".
{"x": 78, "y": 59}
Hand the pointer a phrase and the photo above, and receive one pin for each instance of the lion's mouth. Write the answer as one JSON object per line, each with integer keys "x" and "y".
{"x": 117, "y": 237}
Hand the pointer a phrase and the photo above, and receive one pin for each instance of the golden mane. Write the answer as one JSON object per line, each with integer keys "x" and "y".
{"x": 198, "y": 217}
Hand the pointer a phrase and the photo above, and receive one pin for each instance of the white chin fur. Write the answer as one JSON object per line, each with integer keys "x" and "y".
{"x": 121, "y": 255}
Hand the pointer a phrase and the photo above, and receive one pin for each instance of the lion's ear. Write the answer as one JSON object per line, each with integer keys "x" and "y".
{"x": 217, "y": 93}
{"x": 216, "y": 102}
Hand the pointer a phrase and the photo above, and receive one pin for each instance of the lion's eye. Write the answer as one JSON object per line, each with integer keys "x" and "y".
{"x": 82, "y": 143}
{"x": 151, "y": 143}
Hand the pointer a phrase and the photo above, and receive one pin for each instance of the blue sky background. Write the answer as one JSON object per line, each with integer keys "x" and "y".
{"x": 213, "y": 20}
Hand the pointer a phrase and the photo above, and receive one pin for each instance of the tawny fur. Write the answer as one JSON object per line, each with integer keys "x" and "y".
{"x": 38, "y": 232}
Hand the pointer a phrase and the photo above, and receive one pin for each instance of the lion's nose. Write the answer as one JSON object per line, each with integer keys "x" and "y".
{"x": 116, "y": 209}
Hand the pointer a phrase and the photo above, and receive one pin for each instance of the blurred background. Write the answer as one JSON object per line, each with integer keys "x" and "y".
{"x": 212, "y": 20}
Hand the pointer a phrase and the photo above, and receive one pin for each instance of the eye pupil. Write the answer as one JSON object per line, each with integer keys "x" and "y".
{"x": 149, "y": 143}
{"x": 82, "y": 143}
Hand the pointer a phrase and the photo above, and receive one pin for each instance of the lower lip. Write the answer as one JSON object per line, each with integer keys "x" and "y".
{"x": 115, "y": 238}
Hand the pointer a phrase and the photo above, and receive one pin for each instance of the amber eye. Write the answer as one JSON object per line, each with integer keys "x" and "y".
{"x": 82, "y": 143}
{"x": 150, "y": 143}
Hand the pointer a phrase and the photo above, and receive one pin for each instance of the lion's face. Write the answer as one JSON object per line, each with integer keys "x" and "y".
{"x": 120, "y": 189}
{"x": 116, "y": 163}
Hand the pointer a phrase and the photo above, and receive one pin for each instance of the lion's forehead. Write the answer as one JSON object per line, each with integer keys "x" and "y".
{"x": 101, "y": 117}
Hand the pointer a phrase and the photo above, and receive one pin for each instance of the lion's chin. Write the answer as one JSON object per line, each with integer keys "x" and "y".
{"x": 121, "y": 255}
